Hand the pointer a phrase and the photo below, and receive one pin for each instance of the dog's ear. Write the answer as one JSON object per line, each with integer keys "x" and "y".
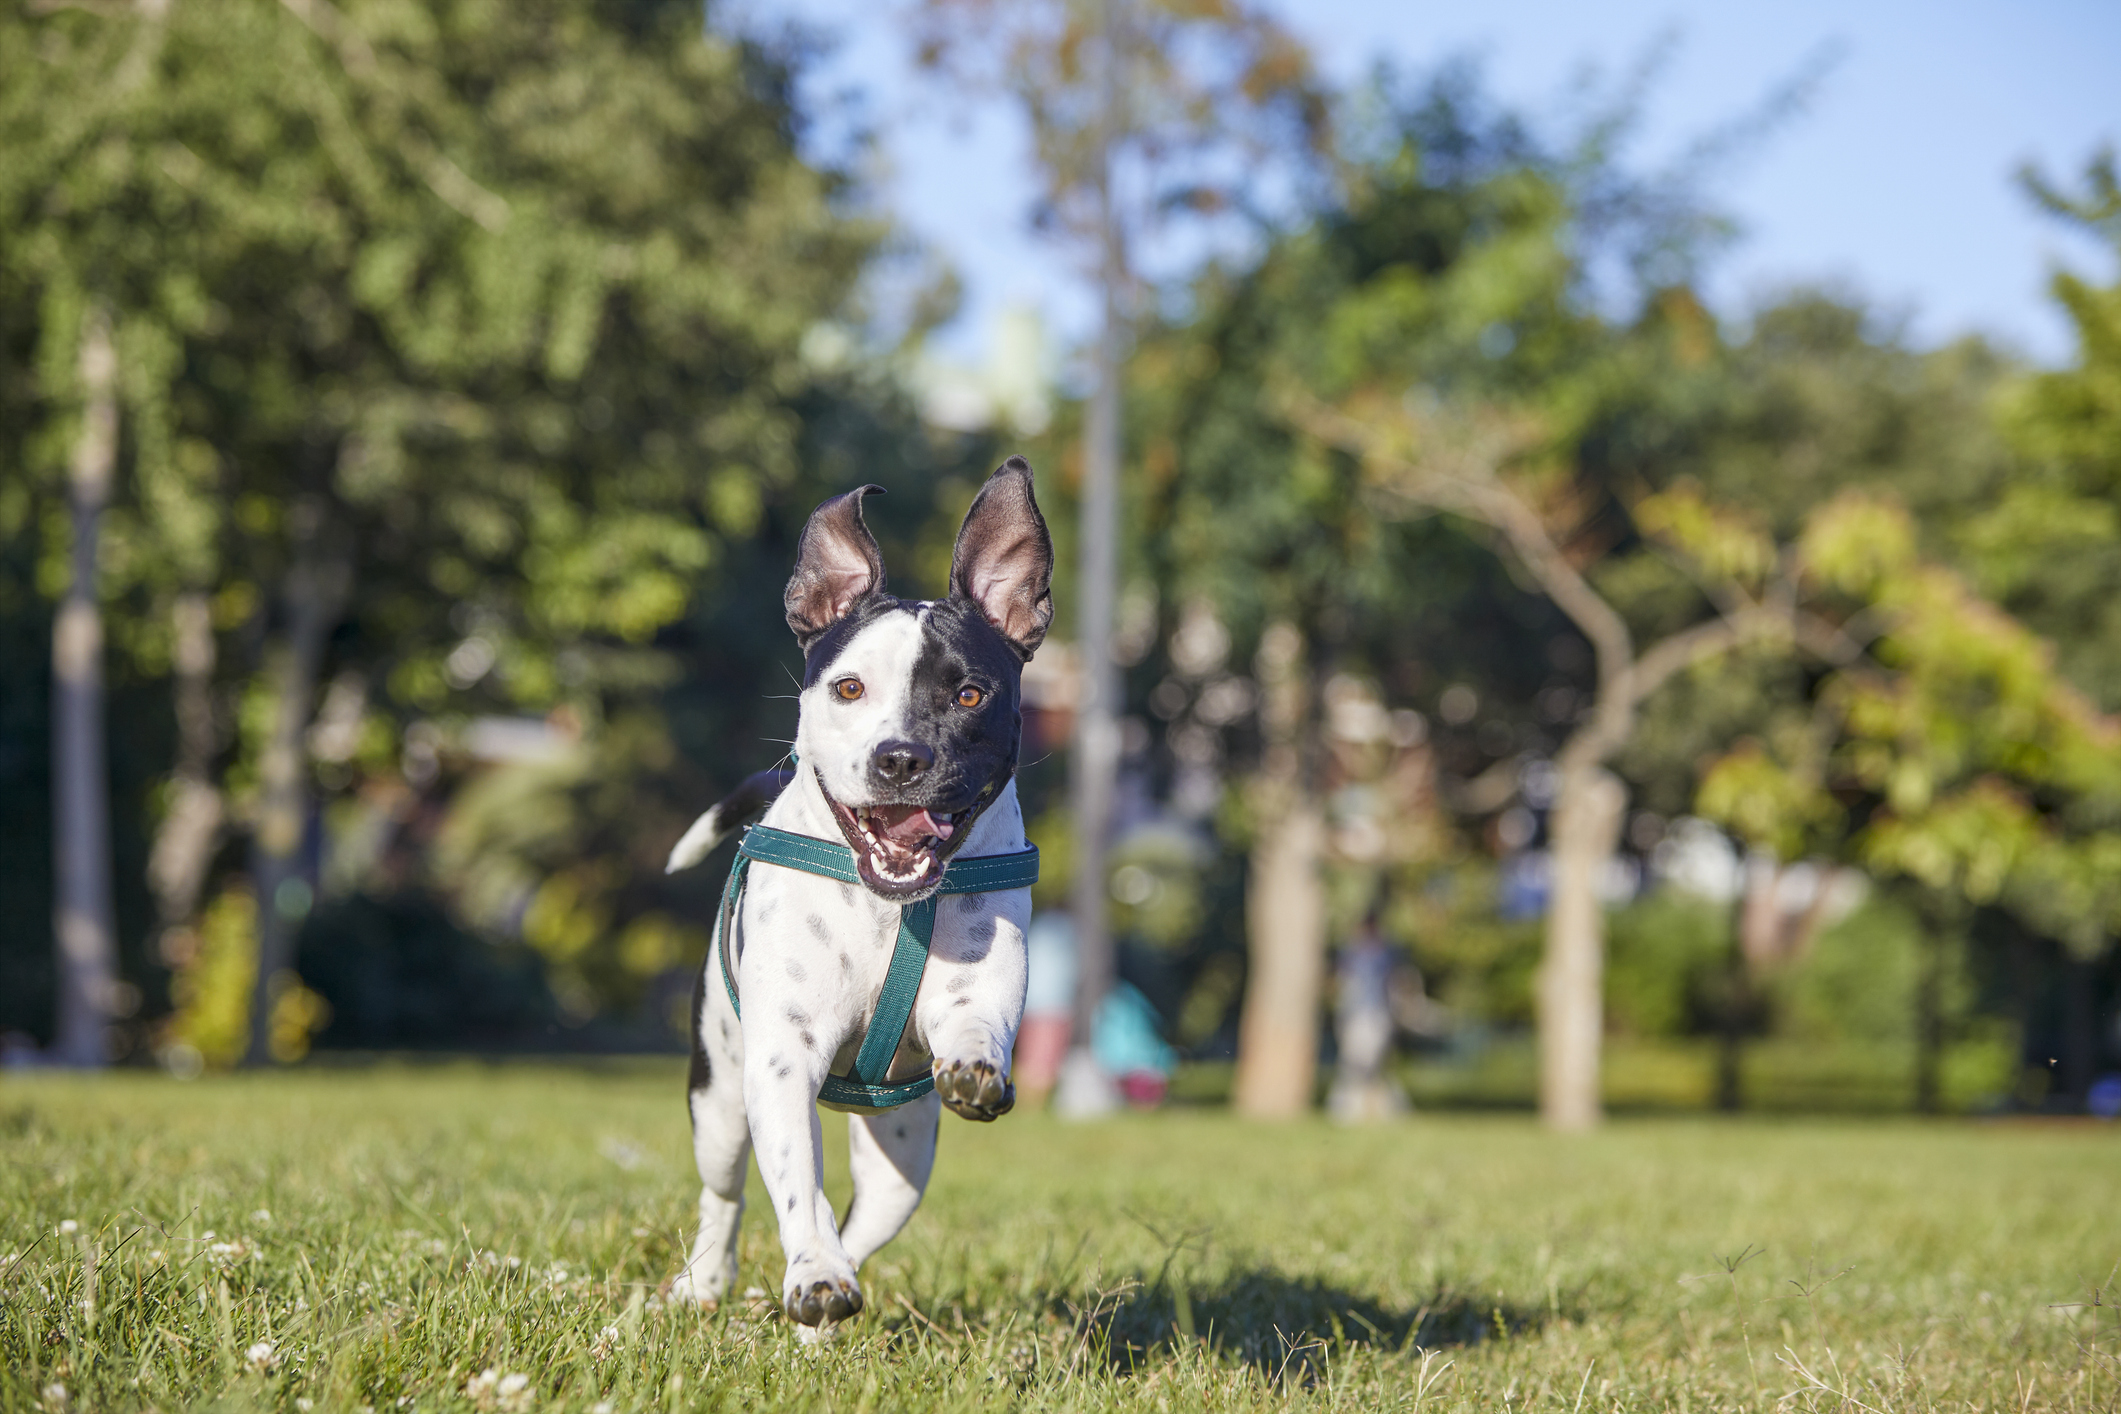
{"x": 1004, "y": 558}
{"x": 837, "y": 565}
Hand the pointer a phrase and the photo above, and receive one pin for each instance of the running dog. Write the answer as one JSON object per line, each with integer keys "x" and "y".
{"x": 899, "y": 814}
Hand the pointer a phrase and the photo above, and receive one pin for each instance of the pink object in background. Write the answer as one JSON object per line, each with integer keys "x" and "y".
{"x": 1041, "y": 1045}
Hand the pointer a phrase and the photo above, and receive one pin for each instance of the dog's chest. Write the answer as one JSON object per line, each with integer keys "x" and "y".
{"x": 817, "y": 950}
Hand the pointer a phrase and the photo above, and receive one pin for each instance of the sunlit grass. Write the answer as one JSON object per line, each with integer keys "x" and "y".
{"x": 387, "y": 1238}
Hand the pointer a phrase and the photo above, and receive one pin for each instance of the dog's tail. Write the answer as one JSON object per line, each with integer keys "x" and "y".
{"x": 740, "y": 807}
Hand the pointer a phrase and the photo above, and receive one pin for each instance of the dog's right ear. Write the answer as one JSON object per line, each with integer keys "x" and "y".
{"x": 837, "y": 565}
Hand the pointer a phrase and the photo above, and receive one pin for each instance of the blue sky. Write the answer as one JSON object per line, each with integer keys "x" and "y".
{"x": 1895, "y": 181}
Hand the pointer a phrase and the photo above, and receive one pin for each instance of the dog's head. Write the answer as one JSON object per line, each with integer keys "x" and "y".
{"x": 911, "y": 709}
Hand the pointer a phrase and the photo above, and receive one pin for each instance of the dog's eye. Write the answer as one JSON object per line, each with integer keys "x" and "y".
{"x": 849, "y": 689}
{"x": 970, "y": 696}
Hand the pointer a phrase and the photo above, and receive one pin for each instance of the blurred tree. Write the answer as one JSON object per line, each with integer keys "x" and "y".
{"x": 2047, "y": 548}
{"x": 484, "y": 324}
{"x": 1138, "y": 108}
{"x": 1451, "y": 276}
{"x": 75, "y": 113}
{"x": 1952, "y": 754}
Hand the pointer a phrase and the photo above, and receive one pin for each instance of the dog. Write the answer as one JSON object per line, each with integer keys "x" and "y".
{"x": 906, "y": 747}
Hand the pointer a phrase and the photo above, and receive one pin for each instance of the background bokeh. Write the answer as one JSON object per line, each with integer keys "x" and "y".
{"x": 471, "y": 369}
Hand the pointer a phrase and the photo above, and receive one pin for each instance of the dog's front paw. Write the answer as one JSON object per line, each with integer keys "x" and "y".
{"x": 815, "y": 1293}
{"x": 975, "y": 1089}
{"x": 694, "y": 1287}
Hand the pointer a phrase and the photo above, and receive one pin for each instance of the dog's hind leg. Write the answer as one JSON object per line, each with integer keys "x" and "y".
{"x": 891, "y": 1155}
{"x": 721, "y": 1145}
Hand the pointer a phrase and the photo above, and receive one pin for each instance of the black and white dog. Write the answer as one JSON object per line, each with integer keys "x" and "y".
{"x": 906, "y": 750}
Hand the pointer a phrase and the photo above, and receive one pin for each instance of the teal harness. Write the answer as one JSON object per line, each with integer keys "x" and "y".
{"x": 867, "y": 1087}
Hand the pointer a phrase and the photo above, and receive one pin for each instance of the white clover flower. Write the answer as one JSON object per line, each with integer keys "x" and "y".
{"x": 514, "y": 1391}
{"x": 67, "y": 1229}
{"x": 305, "y": 1404}
{"x": 55, "y": 1397}
{"x": 262, "y": 1215}
{"x": 602, "y": 1406}
{"x": 230, "y": 1254}
{"x": 607, "y": 1341}
{"x": 479, "y": 1389}
{"x": 262, "y": 1357}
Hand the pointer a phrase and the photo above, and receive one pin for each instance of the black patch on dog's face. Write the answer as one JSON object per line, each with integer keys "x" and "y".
{"x": 974, "y": 746}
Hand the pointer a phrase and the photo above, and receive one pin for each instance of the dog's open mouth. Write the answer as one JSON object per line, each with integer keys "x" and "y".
{"x": 899, "y": 850}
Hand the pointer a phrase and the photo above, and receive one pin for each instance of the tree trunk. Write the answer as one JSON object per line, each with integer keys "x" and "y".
{"x": 1762, "y": 934}
{"x": 85, "y": 925}
{"x": 1586, "y": 830}
{"x": 315, "y": 593}
{"x": 1285, "y": 925}
{"x": 184, "y": 845}
{"x": 1285, "y": 901}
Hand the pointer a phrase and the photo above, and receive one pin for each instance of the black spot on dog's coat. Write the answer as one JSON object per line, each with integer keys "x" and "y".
{"x": 818, "y": 930}
{"x": 961, "y": 982}
{"x": 700, "y": 1075}
{"x": 795, "y": 970}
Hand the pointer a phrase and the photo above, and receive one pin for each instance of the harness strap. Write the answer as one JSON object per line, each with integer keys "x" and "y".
{"x": 867, "y": 1085}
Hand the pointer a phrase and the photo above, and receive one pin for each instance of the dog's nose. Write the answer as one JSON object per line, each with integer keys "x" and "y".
{"x": 902, "y": 762}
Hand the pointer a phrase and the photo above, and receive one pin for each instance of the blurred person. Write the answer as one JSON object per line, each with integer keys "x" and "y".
{"x": 1130, "y": 1045}
{"x": 1049, "y": 1004}
{"x": 1362, "y": 1029}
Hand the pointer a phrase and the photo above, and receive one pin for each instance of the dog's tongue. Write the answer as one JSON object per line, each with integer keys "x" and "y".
{"x": 915, "y": 825}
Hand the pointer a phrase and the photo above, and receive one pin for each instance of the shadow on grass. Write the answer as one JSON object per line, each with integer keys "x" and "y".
{"x": 1282, "y": 1325}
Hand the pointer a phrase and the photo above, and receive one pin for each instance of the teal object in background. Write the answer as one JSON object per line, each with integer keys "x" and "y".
{"x": 1129, "y": 1037}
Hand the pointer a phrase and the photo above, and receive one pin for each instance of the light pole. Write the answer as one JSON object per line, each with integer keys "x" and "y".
{"x": 1084, "y": 1090}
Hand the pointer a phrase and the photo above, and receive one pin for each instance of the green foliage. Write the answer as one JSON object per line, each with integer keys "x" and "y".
{"x": 2046, "y": 549}
{"x": 498, "y": 313}
{"x": 1661, "y": 953}
{"x": 212, "y": 992}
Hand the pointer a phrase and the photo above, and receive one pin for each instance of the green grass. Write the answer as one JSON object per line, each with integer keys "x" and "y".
{"x": 393, "y": 1233}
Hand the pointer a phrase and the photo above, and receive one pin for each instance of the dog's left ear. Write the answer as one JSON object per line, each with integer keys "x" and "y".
{"x": 1004, "y": 559}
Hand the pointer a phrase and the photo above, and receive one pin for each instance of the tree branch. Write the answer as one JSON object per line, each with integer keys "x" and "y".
{"x": 1471, "y": 488}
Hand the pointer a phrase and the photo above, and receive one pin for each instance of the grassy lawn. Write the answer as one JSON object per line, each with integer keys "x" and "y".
{"x": 392, "y": 1234}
